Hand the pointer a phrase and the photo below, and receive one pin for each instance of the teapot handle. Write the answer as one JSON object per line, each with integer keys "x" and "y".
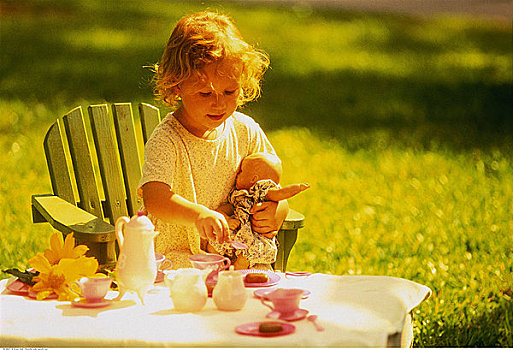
{"x": 122, "y": 221}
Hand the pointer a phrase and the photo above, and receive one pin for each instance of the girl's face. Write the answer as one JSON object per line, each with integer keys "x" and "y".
{"x": 210, "y": 99}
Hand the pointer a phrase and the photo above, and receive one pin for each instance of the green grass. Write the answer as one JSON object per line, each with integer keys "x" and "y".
{"x": 402, "y": 125}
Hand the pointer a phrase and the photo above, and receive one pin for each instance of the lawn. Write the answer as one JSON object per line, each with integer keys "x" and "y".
{"x": 402, "y": 125}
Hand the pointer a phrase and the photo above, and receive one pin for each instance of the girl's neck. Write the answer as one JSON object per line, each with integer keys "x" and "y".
{"x": 209, "y": 134}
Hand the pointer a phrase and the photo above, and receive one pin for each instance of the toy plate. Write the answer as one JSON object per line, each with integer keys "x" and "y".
{"x": 19, "y": 288}
{"x": 252, "y": 329}
{"x": 33, "y": 295}
{"x": 297, "y": 315}
{"x": 273, "y": 278}
{"x": 160, "y": 277}
{"x": 261, "y": 292}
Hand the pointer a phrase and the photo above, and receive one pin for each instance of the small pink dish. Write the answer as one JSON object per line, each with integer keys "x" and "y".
{"x": 273, "y": 278}
{"x": 33, "y": 295}
{"x": 253, "y": 329}
{"x": 19, "y": 288}
{"x": 91, "y": 305}
{"x": 259, "y": 293}
{"x": 160, "y": 277}
{"x": 297, "y": 315}
{"x": 298, "y": 274}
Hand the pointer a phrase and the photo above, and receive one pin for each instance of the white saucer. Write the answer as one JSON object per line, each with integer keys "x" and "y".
{"x": 299, "y": 314}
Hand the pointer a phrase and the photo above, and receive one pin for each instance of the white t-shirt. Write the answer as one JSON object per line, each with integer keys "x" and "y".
{"x": 202, "y": 171}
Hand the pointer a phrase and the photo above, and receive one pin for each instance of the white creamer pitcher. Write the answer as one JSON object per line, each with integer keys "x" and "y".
{"x": 229, "y": 293}
{"x": 136, "y": 268}
{"x": 187, "y": 289}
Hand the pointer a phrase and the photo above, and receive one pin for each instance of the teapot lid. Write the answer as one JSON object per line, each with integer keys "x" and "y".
{"x": 141, "y": 222}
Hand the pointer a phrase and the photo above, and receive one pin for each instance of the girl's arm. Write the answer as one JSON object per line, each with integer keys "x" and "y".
{"x": 227, "y": 210}
{"x": 163, "y": 203}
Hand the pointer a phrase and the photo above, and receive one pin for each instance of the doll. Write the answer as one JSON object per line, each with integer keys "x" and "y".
{"x": 257, "y": 181}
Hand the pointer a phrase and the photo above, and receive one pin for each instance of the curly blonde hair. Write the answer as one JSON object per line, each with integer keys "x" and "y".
{"x": 200, "y": 39}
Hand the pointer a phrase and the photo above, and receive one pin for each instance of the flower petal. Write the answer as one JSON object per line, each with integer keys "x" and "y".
{"x": 64, "y": 294}
{"x": 69, "y": 244}
{"x": 40, "y": 263}
{"x": 79, "y": 250}
{"x": 43, "y": 294}
{"x": 73, "y": 269}
{"x": 52, "y": 256}
{"x": 56, "y": 242}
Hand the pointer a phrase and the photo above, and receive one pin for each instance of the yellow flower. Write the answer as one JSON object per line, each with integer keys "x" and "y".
{"x": 61, "y": 249}
{"x": 57, "y": 278}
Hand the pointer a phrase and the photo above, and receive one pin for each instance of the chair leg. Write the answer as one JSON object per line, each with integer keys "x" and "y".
{"x": 286, "y": 240}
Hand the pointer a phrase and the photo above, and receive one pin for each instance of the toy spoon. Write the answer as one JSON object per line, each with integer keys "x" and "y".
{"x": 238, "y": 245}
{"x": 313, "y": 319}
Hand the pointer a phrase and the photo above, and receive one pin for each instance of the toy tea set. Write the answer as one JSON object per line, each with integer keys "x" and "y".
{"x": 189, "y": 288}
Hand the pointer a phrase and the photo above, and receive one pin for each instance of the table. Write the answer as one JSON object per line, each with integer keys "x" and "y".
{"x": 356, "y": 311}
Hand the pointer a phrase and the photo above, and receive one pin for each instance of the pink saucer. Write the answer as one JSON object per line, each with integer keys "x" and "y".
{"x": 273, "y": 278}
{"x": 33, "y": 295}
{"x": 252, "y": 329}
{"x": 259, "y": 293}
{"x": 299, "y": 314}
{"x": 19, "y": 288}
{"x": 91, "y": 305}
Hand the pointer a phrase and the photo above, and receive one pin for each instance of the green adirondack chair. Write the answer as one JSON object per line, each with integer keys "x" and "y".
{"x": 115, "y": 155}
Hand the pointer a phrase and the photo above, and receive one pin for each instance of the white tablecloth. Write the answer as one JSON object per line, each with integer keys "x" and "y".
{"x": 356, "y": 311}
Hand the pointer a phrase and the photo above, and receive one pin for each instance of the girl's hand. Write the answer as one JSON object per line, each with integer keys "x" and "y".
{"x": 267, "y": 217}
{"x": 212, "y": 225}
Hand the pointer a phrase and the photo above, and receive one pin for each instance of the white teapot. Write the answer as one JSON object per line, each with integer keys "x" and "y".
{"x": 136, "y": 268}
{"x": 187, "y": 289}
{"x": 229, "y": 293}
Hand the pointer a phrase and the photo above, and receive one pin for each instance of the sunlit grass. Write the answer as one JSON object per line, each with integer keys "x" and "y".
{"x": 403, "y": 127}
{"x": 437, "y": 217}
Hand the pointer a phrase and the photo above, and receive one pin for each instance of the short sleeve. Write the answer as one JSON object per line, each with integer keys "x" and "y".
{"x": 257, "y": 141}
{"x": 159, "y": 159}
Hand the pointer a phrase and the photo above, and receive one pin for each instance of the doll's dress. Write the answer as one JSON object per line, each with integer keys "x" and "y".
{"x": 261, "y": 250}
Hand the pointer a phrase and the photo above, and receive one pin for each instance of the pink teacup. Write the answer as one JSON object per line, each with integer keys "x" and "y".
{"x": 285, "y": 301}
{"x": 93, "y": 289}
{"x": 214, "y": 262}
{"x": 163, "y": 263}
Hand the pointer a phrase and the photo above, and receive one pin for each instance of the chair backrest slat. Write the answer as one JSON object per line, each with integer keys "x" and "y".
{"x": 150, "y": 118}
{"x": 57, "y": 165}
{"x": 82, "y": 164}
{"x": 110, "y": 170}
{"x": 128, "y": 153}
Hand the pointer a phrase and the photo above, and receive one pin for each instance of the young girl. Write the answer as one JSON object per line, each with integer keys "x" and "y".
{"x": 192, "y": 157}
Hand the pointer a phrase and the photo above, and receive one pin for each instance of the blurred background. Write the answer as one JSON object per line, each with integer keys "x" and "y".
{"x": 399, "y": 114}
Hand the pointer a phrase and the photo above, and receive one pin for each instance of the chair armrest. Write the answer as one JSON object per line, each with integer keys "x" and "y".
{"x": 294, "y": 221}
{"x": 66, "y": 218}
